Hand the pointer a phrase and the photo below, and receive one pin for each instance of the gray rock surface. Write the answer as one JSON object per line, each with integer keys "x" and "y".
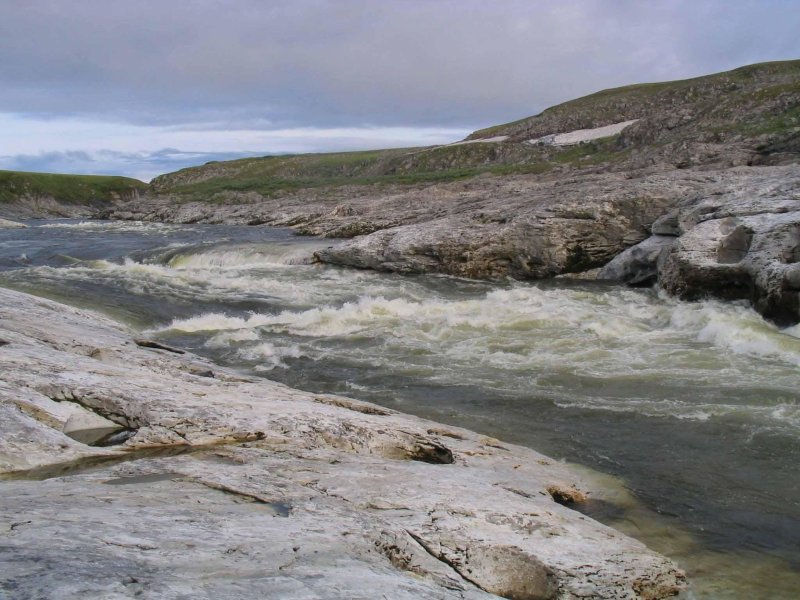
{"x": 233, "y": 487}
{"x": 88, "y": 427}
{"x": 519, "y": 226}
{"x": 638, "y": 265}
{"x": 38, "y": 207}
{"x": 532, "y": 227}
{"x": 741, "y": 244}
{"x": 5, "y": 223}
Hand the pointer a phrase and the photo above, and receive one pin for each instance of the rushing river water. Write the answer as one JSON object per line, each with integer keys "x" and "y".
{"x": 694, "y": 407}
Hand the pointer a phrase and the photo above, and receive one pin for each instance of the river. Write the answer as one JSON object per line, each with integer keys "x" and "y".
{"x": 691, "y": 410}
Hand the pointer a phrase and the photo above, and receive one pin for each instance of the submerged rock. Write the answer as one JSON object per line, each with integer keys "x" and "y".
{"x": 247, "y": 488}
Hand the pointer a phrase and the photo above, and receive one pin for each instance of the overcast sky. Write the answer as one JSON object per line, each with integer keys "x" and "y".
{"x": 140, "y": 87}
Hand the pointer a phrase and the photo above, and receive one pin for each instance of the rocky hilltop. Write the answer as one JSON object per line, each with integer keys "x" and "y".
{"x": 199, "y": 482}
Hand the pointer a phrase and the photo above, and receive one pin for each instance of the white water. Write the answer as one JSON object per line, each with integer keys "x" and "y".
{"x": 589, "y": 347}
{"x": 593, "y": 348}
{"x": 117, "y": 226}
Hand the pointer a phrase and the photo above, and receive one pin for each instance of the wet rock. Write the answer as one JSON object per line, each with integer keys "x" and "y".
{"x": 792, "y": 277}
{"x": 145, "y": 343}
{"x": 741, "y": 245}
{"x": 638, "y": 265}
{"x": 90, "y": 428}
{"x": 239, "y": 488}
{"x": 6, "y": 224}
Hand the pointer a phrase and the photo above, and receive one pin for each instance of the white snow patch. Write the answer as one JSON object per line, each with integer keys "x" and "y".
{"x": 581, "y": 135}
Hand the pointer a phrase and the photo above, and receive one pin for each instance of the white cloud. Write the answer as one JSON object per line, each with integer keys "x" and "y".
{"x": 71, "y": 145}
{"x": 312, "y": 75}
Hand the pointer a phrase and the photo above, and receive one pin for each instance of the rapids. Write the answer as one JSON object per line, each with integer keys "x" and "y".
{"x": 693, "y": 408}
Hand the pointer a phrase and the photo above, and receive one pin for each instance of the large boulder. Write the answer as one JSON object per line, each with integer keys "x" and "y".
{"x": 567, "y": 230}
{"x": 743, "y": 244}
{"x": 638, "y": 265}
{"x": 754, "y": 258}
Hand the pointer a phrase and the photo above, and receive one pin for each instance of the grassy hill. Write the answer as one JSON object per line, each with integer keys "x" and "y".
{"x": 68, "y": 189}
{"x": 273, "y": 175}
{"x": 749, "y": 101}
{"x": 750, "y": 114}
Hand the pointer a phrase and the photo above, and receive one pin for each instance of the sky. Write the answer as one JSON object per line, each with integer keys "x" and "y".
{"x": 143, "y": 87}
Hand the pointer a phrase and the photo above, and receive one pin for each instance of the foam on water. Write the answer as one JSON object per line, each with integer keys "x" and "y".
{"x": 589, "y": 347}
{"x": 528, "y": 337}
{"x": 238, "y": 257}
{"x": 117, "y": 227}
{"x": 269, "y": 356}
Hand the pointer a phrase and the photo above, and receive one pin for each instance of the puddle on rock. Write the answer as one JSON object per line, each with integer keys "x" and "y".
{"x": 144, "y": 478}
{"x": 91, "y": 463}
{"x": 281, "y": 509}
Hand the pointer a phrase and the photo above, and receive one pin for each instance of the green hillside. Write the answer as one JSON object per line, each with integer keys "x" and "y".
{"x": 751, "y": 113}
{"x": 756, "y": 99}
{"x": 71, "y": 189}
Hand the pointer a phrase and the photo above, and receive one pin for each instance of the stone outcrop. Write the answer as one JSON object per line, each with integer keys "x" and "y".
{"x": 230, "y": 487}
{"x": 6, "y": 224}
{"x": 519, "y": 226}
{"x": 39, "y": 207}
{"x": 638, "y": 265}
{"x": 531, "y": 227}
{"x": 741, "y": 242}
{"x": 540, "y": 238}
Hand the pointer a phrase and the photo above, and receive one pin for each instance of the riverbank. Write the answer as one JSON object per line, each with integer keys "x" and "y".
{"x": 221, "y": 485}
{"x": 730, "y": 233}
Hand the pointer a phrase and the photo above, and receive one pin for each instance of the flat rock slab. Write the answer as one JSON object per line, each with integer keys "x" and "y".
{"x": 231, "y": 487}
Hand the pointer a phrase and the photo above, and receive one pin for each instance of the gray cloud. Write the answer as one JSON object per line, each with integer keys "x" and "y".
{"x": 355, "y": 62}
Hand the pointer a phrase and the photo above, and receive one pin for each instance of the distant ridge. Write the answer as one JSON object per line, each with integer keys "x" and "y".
{"x": 77, "y": 189}
{"x": 750, "y": 115}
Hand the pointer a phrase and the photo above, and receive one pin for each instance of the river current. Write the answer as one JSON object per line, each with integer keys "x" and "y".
{"x": 692, "y": 410}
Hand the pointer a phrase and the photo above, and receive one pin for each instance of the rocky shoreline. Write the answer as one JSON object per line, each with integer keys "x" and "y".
{"x": 731, "y": 233}
{"x": 207, "y": 483}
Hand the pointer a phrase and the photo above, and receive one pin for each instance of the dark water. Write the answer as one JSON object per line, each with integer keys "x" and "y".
{"x": 692, "y": 406}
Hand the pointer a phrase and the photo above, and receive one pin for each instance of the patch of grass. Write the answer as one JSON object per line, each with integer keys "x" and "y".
{"x": 283, "y": 169}
{"x": 781, "y": 123}
{"x": 590, "y": 153}
{"x": 73, "y": 189}
{"x": 276, "y": 175}
{"x": 276, "y": 185}
{"x": 534, "y": 168}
